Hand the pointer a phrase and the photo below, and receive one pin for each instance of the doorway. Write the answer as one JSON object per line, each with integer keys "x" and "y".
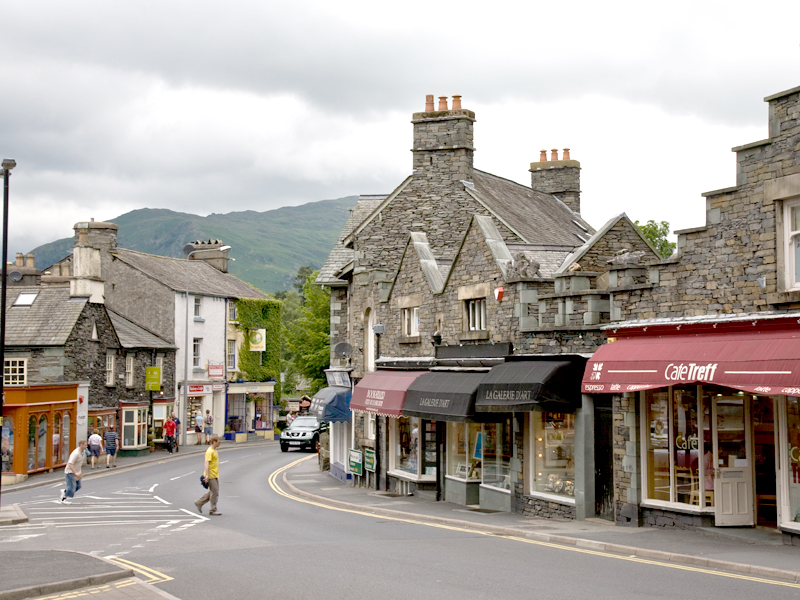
{"x": 732, "y": 464}
{"x": 764, "y": 456}
{"x": 603, "y": 458}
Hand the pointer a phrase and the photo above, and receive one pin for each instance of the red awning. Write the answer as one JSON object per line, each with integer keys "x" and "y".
{"x": 383, "y": 392}
{"x": 766, "y": 362}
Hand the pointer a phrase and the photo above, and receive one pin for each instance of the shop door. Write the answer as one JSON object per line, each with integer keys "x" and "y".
{"x": 733, "y": 475}
{"x": 603, "y": 458}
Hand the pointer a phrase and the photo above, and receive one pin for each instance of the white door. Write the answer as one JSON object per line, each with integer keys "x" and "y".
{"x": 733, "y": 473}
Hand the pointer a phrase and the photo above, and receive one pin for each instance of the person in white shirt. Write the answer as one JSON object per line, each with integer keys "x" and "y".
{"x": 95, "y": 446}
{"x": 73, "y": 472}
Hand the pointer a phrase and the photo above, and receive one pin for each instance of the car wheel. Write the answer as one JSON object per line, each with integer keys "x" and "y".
{"x": 313, "y": 446}
{"x": 284, "y": 447}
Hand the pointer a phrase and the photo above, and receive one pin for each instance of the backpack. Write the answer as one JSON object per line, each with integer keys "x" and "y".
{"x": 209, "y": 420}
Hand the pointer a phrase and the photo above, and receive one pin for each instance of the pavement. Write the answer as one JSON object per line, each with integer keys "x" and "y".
{"x": 758, "y": 552}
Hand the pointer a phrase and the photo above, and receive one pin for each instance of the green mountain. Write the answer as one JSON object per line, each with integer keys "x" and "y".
{"x": 268, "y": 246}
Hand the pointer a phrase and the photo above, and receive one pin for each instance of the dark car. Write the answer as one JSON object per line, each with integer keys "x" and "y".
{"x": 302, "y": 433}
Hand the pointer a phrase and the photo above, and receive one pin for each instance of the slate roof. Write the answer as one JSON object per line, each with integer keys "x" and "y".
{"x": 539, "y": 218}
{"x": 340, "y": 256}
{"x": 47, "y": 322}
{"x": 132, "y": 336}
{"x": 204, "y": 279}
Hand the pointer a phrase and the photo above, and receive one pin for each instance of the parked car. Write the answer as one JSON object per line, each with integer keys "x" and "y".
{"x": 302, "y": 433}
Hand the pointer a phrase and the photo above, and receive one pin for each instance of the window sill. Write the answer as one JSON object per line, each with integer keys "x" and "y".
{"x": 461, "y": 479}
{"x": 410, "y": 477}
{"x": 787, "y": 297}
{"x": 409, "y": 339}
{"x": 466, "y": 336}
{"x": 790, "y": 526}
{"x": 553, "y": 498}
{"x": 678, "y": 507}
{"x": 198, "y": 370}
{"x": 199, "y": 320}
{"x": 492, "y": 488}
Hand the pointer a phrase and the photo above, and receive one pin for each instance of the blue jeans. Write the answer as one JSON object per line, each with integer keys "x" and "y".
{"x": 73, "y": 485}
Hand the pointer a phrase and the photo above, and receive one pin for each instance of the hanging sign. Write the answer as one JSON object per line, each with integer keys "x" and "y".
{"x": 152, "y": 379}
{"x": 355, "y": 462}
{"x": 216, "y": 370}
{"x": 258, "y": 340}
{"x": 369, "y": 459}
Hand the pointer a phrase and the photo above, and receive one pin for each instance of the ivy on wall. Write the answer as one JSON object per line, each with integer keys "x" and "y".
{"x": 254, "y": 313}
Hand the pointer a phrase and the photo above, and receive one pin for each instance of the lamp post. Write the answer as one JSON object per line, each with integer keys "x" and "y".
{"x": 8, "y": 164}
{"x": 188, "y": 250}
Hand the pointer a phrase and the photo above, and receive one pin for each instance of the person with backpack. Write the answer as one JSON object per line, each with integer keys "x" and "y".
{"x": 209, "y": 426}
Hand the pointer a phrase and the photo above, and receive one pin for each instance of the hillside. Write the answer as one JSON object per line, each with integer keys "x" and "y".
{"x": 268, "y": 246}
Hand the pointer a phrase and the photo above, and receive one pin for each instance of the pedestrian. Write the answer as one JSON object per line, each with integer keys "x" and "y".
{"x": 73, "y": 472}
{"x": 177, "y": 432}
{"x": 111, "y": 438}
{"x": 95, "y": 446}
{"x": 209, "y": 426}
{"x": 169, "y": 434}
{"x": 198, "y": 427}
{"x": 211, "y": 478}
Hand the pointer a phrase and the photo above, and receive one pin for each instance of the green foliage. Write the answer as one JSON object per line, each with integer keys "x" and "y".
{"x": 268, "y": 246}
{"x": 656, "y": 234}
{"x": 256, "y": 313}
{"x": 309, "y": 335}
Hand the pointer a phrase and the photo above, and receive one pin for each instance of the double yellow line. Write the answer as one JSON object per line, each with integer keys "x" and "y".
{"x": 148, "y": 574}
{"x": 274, "y": 485}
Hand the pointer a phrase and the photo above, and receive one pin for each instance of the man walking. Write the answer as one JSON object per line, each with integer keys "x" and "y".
{"x": 176, "y": 439}
{"x": 111, "y": 438}
{"x": 211, "y": 477}
{"x": 209, "y": 426}
{"x": 73, "y": 472}
{"x": 169, "y": 433}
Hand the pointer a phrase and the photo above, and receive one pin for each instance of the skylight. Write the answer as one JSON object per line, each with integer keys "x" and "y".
{"x": 25, "y": 298}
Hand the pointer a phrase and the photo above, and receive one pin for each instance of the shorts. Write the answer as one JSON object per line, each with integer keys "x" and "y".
{"x": 208, "y": 430}
{"x": 197, "y": 429}
{"x": 111, "y": 451}
{"x": 94, "y": 450}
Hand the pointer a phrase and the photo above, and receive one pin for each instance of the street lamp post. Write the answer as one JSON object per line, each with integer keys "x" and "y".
{"x": 7, "y": 164}
{"x": 188, "y": 250}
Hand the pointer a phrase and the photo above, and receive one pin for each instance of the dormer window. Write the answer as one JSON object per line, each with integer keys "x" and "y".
{"x": 25, "y": 298}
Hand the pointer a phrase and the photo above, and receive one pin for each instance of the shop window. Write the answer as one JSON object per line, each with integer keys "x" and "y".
{"x": 196, "y": 343}
{"x": 464, "y": 450}
{"x": 41, "y": 443}
{"x": 56, "y": 438}
{"x": 31, "y": 443}
{"x": 134, "y": 427}
{"x": 476, "y": 314}
{"x": 553, "y": 453}
{"x": 793, "y": 450}
{"x": 231, "y": 355}
{"x": 129, "y": 363}
{"x": 414, "y": 443}
{"x": 14, "y": 371}
{"x": 496, "y": 463}
{"x": 65, "y": 438}
{"x": 7, "y": 441}
{"x": 791, "y": 219}
{"x": 411, "y": 321}
{"x": 110, "y": 360}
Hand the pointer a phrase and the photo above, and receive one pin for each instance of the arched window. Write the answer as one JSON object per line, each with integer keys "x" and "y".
{"x": 8, "y": 445}
{"x": 31, "y": 443}
{"x": 65, "y": 440}
{"x": 56, "y": 438}
{"x": 41, "y": 443}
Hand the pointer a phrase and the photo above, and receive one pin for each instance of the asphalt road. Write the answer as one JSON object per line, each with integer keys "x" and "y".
{"x": 268, "y": 545}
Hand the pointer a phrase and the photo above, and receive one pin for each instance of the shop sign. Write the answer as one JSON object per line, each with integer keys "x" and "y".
{"x": 369, "y": 459}
{"x": 216, "y": 370}
{"x": 218, "y": 386}
{"x": 199, "y": 390}
{"x": 375, "y": 398}
{"x": 690, "y": 372}
{"x": 355, "y": 462}
{"x": 292, "y": 406}
{"x": 258, "y": 340}
{"x": 152, "y": 379}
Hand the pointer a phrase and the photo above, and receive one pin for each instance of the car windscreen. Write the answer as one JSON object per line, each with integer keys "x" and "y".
{"x": 304, "y": 422}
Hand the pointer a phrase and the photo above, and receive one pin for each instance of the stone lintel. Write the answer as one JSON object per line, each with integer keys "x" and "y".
{"x": 751, "y": 145}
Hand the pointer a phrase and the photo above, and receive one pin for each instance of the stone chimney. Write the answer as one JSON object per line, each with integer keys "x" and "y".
{"x": 91, "y": 259}
{"x": 23, "y": 273}
{"x": 443, "y": 138}
{"x": 210, "y": 253}
{"x": 561, "y": 178}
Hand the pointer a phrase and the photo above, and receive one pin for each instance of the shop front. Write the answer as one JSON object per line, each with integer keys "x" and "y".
{"x": 719, "y": 419}
{"x": 248, "y": 408}
{"x": 38, "y": 429}
{"x": 410, "y": 440}
{"x": 203, "y": 397}
{"x": 162, "y": 409}
{"x": 133, "y": 437}
{"x": 101, "y": 419}
{"x": 332, "y": 405}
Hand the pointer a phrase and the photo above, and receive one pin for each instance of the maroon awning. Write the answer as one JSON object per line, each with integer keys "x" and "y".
{"x": 766, "y": 362}
{"x": 383, "y": 392}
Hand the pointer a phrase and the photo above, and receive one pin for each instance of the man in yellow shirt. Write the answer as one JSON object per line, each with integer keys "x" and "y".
{"x": 211, "y": 477}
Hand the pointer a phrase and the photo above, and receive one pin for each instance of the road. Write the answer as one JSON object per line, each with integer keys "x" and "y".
{"x": 272, "y": 545}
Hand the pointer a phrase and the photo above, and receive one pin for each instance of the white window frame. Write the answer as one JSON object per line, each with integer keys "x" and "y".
{"x": 790, "y": 237}
{"x": 411, "y": 321}
{"x": 394, "y": 442}
{"x": 25, "y": 299}
{"x": 139, "y": 424}
{"x": 15, "y": 371}
{"x": 371, "y": 426}
{"x": 129, "y": 366}
{"x": 196, "y": 346}
{"x": 476, "y": 314}
{"x": 231, "y": 355}
{"x": 233, "y": 313}
{"x": 198, "y": 304}
{"x": 110, "y": 368}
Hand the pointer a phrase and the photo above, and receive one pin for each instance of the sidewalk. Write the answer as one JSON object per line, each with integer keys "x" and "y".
{"x": 759, "y": 552}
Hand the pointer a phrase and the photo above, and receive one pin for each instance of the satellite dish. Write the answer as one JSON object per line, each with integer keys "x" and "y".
{"x": 15, "y": 276}
{"x": 342, "y": 349}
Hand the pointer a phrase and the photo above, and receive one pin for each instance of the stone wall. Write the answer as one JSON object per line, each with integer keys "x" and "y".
{"x": 561, "y": 178}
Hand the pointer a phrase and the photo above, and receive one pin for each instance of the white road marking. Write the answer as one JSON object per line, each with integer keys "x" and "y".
{"x": 162, "y": 500}
{"x": 152, "y": 488}
{"x": 184, "y": 475}
{"x": 19, "y": 538}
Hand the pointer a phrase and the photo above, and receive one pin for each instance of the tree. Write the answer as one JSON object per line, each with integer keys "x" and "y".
{"x": 303, "y": 273}
{"x": 656, "y": 234}
{"x": 309, "y": 335}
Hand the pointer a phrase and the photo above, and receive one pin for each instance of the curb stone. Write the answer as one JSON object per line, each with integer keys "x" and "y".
{"x": 685, "y": 559}
{"x": 65, "y": 586}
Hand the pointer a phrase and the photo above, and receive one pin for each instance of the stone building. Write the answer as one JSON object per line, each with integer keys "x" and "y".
{"x": 702, "y": 360}
{"x": 465, "y": 304}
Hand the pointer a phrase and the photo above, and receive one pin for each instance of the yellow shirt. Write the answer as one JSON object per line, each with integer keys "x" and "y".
{"x": 212, "y": 458}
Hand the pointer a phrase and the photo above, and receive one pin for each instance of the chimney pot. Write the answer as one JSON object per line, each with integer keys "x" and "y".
{"x": 20, "y": 260}
{"x": 456, "y": 102}
{"x": 442, "y": 102}
{"x": 566, "y": 153}
{"x": 554, "y": 154}
{"x": 29, "y": 261}
{"x": 542, "y": 155}
{"x": 429, "y": 103}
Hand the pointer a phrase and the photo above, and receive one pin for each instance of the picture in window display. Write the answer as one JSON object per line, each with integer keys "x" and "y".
{"x": 554, "y": 447}
{"x": 415, "y": 448}
{"x": 793, "y": 423}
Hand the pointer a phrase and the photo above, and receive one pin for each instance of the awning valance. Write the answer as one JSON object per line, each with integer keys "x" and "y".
{"x": 443, "y": 396}
{"x": 524, "y": 385}
{"x": 766, "y": 362}
{"x": 383, "y": 392}
{"x": 332, "y": 404}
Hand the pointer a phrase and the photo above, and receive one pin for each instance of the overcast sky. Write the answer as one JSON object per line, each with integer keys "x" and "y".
{"x": 202, "y": 107}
